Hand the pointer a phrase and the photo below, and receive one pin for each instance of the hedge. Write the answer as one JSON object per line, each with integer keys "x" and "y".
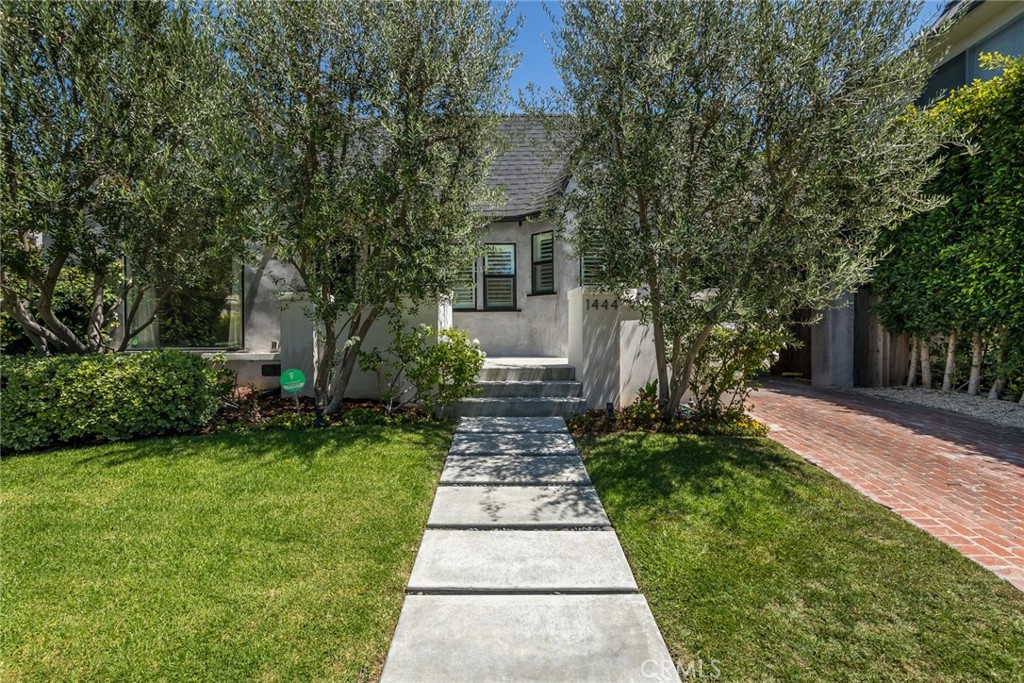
{"x": 110, "y": 397}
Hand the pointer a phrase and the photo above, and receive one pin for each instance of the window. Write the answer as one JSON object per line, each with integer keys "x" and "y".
{"x": 1008, "y": 41}
{"x": 590, "y": 267}
{"x": 464, "y": 296}
{"x": 500, "y": 277}
{"x": 200, "y": 317}
{"x": 544, "y": 263}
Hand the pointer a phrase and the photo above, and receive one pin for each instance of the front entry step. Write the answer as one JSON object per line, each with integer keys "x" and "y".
{"x": 531, "y": 389}
{"x": 524, "y": 387}
{"x": 519, "y": 406}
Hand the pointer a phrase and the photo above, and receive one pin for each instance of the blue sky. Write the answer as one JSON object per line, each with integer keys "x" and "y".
{"x": 535, "y": 36}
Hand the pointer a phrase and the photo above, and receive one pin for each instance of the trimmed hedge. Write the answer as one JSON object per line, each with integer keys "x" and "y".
{"x": 110, "y": 397}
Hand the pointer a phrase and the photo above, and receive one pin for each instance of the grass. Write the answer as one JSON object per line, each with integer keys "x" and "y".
{"x": 266, "y": 557}
{"x": 769, "y": 568}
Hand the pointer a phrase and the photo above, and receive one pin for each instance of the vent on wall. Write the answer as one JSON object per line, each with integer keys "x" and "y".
{"x": 271, "y": 370}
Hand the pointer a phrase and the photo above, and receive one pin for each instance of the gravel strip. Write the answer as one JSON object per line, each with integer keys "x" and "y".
{"x": 1003, "y": 413}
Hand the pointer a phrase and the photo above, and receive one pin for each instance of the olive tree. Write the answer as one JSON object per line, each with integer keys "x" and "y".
{"x": 117, "y": 165}
{"x": 374, "y": 126}
{"x": 734, "y": 161}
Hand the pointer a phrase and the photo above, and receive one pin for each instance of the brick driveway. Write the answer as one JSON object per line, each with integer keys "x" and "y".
{"x": 956, "y": 477}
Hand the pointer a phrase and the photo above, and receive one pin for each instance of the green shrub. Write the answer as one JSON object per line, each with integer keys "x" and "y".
{"x": 111, "y": 397}
{"x": 436, "y": 368}
{"x": 643, "y": 413}
{"x": 727, "y": 364}
{"x": 633, "y": 419}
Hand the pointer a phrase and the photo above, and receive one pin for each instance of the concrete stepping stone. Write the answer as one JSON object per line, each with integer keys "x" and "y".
{"x": 512, "y": 444}
{"x": 522, "y": 507}
{"x": 446, "y": 638}
{"x": 518, "y": 425}
{"x": 461, "y": 561}
{"x": 514, "y": 470}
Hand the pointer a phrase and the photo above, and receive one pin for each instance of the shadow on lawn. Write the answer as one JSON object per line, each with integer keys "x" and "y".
{"x": 262, "y": 447}
{"x": 644, "y": 468}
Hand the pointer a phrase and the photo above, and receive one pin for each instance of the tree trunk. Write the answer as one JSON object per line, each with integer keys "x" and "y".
{"x": 660, "y": 355}
{"x": 681, "y": 383}
{"x": 976, "y": 357}
{"x": 947, "y": 376}
{"x": 96, "y": 317}
{"x": 997, "y": 388}
{"x": 324, "y": 365}
{"x": 1000, "y": 380}
{"x": 348, "y": 361}
{"x": 912, "y": 371}
{"x": 926, "y": 364}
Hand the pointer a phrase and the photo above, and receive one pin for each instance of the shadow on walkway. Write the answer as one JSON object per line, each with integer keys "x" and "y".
{"x": 973, "y": 434}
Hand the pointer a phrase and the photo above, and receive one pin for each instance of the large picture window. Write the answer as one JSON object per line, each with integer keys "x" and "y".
{"x": 207, "y": 317}
{"x": 464, "y": 296}
{"x": 543, "y": 259}
{"x": 500, "y": 277}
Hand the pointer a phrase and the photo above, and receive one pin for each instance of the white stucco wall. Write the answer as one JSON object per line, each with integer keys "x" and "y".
{"x": 540, "y": 325}
{"x": 613, "y": 353}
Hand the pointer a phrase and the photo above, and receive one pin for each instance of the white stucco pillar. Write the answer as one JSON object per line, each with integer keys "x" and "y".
{"x": 832, "y": 346}
{"x": 297, "y": 338}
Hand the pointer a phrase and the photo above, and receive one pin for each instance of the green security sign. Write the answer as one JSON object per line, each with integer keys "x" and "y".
{"x": 292, "y": 379}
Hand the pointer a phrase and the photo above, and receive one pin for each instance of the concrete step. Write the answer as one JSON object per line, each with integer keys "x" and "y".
{"x": 547, "y": 406}
{"x": 512, "y": 444}
{"x": 514, "y": 470}
{"x": 534, "y": 389}
{"x": 444, "y": 638}
{"x": 512, "y": 425}
{"x": 527, "y": 373}
{"x": 491, "y": 561}
{"x": 517, "y": 507}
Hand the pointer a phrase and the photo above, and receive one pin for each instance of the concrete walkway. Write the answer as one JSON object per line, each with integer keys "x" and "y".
{"x": 520, "y": 576}
{"x": 956, "y": 477}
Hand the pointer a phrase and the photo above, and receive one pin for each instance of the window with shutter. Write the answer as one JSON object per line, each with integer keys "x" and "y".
{"x": 500, "y": 277}
{"x": 464, "y": 295}
{"x": 590, "y": 267}
{"x": 544, "y": 263}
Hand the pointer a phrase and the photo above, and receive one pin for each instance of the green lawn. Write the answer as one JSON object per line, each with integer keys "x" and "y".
{"x": 777, "y": 571}
{"x": 269, "y": 557}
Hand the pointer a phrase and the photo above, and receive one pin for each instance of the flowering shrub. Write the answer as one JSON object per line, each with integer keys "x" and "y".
{"x": 436, "y": 368}
{"x": 644, "y": 415}
{"x": 726, "y": 365}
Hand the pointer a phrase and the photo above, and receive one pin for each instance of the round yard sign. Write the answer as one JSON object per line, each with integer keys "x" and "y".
{"x": 292, "y": 379}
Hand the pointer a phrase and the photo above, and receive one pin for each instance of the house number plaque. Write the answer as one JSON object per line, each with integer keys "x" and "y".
{"x": 602, "y": 304}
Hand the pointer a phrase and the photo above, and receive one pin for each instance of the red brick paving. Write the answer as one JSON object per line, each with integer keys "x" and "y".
{"x": 957, "y": 477}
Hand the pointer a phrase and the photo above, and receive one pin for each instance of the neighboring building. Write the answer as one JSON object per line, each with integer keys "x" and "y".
{"x": 965, "y": 30}
{"x": 849, "y": 346}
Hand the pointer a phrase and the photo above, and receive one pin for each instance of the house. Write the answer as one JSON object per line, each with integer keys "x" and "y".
{"x": 514, "y": 300}
{"x": 526, "y": 299}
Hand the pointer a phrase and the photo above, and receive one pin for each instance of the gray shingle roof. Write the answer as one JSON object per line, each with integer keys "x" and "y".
{"x": 531, "y": 172}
